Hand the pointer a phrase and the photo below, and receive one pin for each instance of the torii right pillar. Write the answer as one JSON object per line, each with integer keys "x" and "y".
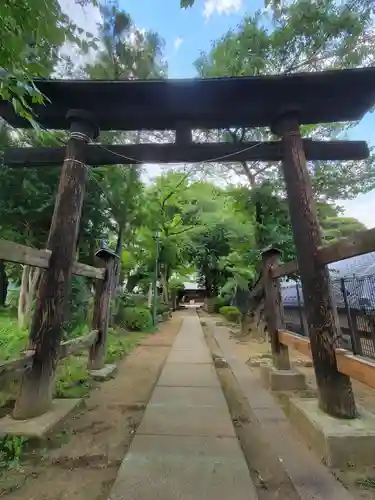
{"x": 334, "y": 389}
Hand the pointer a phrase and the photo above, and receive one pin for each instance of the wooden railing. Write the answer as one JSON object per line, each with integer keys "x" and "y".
{"x": 95, "y": 341}
{"x": 21, "y": 254}
{"x": 356, "y": 367}
{"x": 358, "y": 244}
{"x": 67, "y": 348}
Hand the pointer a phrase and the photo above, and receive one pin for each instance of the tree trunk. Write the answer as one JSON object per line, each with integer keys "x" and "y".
{"x": 149, "y": 299}
{"x": 164, "y": 282}
{"x": 29, "y": 282}
{"x": 101, "y": 316}
{"x": 274, "y": 321}
{"x": 335, "y": 390}
{"x": 22, "y": 298}
{"x": 3, "y": 284}
{"x": 250, "y": 319}
{"x": 118, "y": 261}
{"x": 116, "y": 281}
{"x": 35, "y": 397}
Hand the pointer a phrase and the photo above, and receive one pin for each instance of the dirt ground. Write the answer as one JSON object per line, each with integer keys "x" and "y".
{"x": 80, "y": 461}
{"x": 360, "y": 481}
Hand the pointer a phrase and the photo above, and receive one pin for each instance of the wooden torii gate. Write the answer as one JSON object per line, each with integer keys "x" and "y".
{"x": 280, "y": 102}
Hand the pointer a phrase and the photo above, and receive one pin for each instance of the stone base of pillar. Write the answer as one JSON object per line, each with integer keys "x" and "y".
{"x": 282, "y": 380}
{"x": 337, "y": 441}
{"x": 105, "y": 373}
{"x": 39, "y": 427}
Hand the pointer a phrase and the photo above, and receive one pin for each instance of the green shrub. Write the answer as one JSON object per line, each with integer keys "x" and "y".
{"x": 125, "y": 301}
{"x": 133, "y": 299}
{"x": 11, "y": 451}
{"x": 220, "y": 302}
{"x": 72, "y": 378}
{"x": 163, "y": 309}
{"x": 78, "y": 304}
{"x": 230, "y": 313}
{"x": 137, "y": 319}
{"x": 139, "y": 300}
{"x": 13, "y": 340}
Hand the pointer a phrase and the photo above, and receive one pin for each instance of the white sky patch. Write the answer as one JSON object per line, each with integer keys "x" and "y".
{"x": 221, "y": 7}
{"x": 177, "y": 43}
{"x": 362, "y": 208}
{"x": 86, "y": 18}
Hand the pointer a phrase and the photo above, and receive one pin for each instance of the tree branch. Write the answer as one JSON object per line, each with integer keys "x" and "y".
{"x": 182, "y": 231}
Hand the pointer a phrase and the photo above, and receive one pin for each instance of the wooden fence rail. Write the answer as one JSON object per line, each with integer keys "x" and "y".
{"x": 79, "y": 344}
{"x": 329, "y": 362}
{"x": 22, "y": 254}
{"x": 15, "y": 365}
{"x": 67, "y": 348}
{"x": 359, "y": 243}
{"x": 357, "y": 367}
{"x": 94, "y": 341}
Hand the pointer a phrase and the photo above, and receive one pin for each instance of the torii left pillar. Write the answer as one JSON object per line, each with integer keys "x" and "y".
{"x": 35, "y": 397}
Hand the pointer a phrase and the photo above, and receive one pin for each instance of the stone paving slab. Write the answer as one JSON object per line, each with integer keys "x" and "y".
{"x": 187, "y": 421}
{"x": 188, "y": 396}
{"x": 188, "y": 375}
{"x": 189, "y": 356}
{"x": 183, "y": 468}
{"x": 196, "y": 344}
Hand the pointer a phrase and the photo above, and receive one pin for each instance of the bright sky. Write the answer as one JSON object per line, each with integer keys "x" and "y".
{"x": 188, "y": 32}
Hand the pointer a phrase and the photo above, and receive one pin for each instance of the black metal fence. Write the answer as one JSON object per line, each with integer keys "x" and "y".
{"x": 355, "y": 304}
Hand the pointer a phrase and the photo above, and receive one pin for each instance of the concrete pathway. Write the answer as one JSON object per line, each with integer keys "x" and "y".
{"x": 311, "y": 479}
{"x": 185, "y": 447}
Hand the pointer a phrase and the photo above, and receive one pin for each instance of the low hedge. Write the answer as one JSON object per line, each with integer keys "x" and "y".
{"x": 230, "y": 313}
{"x": 137, "y": 319}
{"x": 220, "y": 302}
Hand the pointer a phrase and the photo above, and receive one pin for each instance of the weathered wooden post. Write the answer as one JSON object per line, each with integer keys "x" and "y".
{"x": 100, "y": 320}
{"x": 280, "y": 352}
{"x": 335, "y": 390}
{"x": 35, "y": 396}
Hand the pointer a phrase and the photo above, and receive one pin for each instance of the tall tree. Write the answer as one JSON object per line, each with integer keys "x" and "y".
{"x": 32, "y": 33}
{"x": 126, "y": 53}
{"x": 303, "y": 36}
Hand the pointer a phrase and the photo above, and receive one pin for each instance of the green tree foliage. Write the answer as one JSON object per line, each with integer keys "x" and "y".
{"x": 222, "y": 244}
{"x": 299, "y": 35}
{"x": 208, "y": 247}
{"x": 335, "y": 228}
{"x": 126, "y": 51}
{"x": 32, "y": 33}
{"x": 304, "y": 36}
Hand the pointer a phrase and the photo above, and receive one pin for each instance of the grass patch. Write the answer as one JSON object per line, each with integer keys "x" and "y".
{"x": 13, "y": 340}
{"x": 72, "y": 379}
{"x": 11, "y": 451}
{"x": 121, "y": 343}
